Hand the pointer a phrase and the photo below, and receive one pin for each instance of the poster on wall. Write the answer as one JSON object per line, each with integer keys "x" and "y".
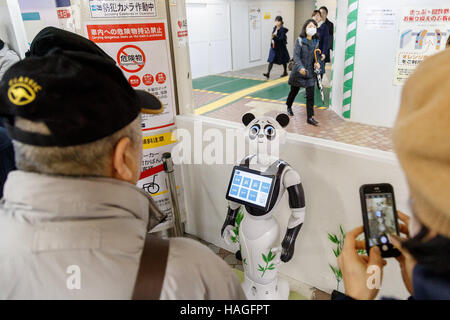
{"x": 380, "y": 19}
{"x": 122, "y": 8}
{"x": 141, "y": 50}
{"x": 182, "y": 32}
{"x": 255, "y": 33}
{"x": 153, "y": 177}
{"x": 66, "y": 16}
{"x": 423, "y": 31}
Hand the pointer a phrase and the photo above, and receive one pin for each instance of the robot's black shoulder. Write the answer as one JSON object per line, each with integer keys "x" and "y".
{"x": 246, "y": 161}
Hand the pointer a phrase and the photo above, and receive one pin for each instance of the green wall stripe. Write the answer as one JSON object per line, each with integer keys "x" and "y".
{"x": 352, "y": 20}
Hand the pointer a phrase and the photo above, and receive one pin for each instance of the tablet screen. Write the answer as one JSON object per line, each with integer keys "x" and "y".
{"x": 250, "y": 188}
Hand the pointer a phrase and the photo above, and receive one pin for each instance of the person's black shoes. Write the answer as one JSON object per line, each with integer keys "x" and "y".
{"x": 289, "y": 111}
{"x": 267, "y": 75}
{"x": 284, "y": 75}
{"x": 312, "y": 121}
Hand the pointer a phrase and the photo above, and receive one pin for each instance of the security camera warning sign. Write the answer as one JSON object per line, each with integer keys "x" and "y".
{"x": 141, "y": 51}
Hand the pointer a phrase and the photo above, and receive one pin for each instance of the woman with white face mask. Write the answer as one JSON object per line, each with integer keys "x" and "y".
{"x": 302, "y": 75}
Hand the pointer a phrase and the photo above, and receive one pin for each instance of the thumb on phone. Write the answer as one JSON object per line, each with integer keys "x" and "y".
{"x": 375, "y": 257}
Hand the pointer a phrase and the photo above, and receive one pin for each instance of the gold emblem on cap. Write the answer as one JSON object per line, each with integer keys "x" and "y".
{"x": 22, "y": 90}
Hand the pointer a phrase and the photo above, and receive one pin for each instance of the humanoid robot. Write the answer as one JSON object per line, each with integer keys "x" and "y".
{"x": 259, "y": 183}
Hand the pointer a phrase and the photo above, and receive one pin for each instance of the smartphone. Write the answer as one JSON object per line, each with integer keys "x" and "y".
{"x": 379, "y": 217}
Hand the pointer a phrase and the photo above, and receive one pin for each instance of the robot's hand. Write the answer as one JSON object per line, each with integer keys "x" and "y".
{"x": 288, "y": 243}
{"x": 287, "y": 254}
{"x": 229, "y": 235}
{"x": 287, "y": 250}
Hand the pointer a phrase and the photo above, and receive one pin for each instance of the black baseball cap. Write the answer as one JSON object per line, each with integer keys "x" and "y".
{"x": 78, "y": 92}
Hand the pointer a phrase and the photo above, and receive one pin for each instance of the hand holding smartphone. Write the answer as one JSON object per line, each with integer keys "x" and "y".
{"x": 379, "y": 217}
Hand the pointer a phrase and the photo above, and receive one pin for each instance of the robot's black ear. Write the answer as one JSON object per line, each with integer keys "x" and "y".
{"x": 283, "y": 119}
{"x": 247, "y": 118}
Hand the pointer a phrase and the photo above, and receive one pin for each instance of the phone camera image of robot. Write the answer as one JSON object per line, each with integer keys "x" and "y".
{"x": 258, "y": 185}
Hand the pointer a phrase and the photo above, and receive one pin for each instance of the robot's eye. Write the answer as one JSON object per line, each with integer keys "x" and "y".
{"x": 269, "y": 131}
{"x": 254, "y": 131}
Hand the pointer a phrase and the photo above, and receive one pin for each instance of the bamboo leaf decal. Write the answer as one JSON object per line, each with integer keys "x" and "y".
{"x": 338, "y": 240}
{"x": 270, "y": 256}
{"x": 264, "y": 257}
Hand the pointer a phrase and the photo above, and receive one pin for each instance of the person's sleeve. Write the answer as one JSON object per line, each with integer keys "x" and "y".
{"x": 336, "y": 295}
{"x": 281, "y": 36}
{"x": 194, "y": 272}
{"x": 9, "y": 59}
{"x": 297, "y": 65}
{"x": 325, "y": 40}
{"x": 7, "y": 163}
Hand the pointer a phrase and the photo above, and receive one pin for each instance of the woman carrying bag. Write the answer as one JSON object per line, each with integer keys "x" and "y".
{"x": 278, "y": 53}
{"x": 302, "y": 75}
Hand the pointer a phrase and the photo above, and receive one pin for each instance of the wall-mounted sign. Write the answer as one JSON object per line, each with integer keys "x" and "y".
{"x": 153, "y": 176}
{"x": 182, "y": 32}
{"x": 141, "y": 50}
{"x": 122, "y": 8}
{"x": 423, "y": 32}
{"x": 380, "y": 19}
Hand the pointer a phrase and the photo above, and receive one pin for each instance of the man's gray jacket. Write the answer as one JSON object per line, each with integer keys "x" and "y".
{"x": 82, "y": 238}
{"x": 7, "y": 58}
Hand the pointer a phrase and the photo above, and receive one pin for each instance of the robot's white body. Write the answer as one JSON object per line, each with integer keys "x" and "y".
{"x": 259, "y": 232}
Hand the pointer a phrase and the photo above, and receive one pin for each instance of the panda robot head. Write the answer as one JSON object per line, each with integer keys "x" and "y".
{"x": 265, "y": 134}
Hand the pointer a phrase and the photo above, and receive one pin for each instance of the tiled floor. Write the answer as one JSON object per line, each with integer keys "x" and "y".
{"x": 331, "y": 127}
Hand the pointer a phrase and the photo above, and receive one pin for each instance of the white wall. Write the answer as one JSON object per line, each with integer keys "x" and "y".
{"x": 375, "y": 99}
{"x": 332, "y": 174}
{"x": 12, "y": 30}
{"x": 303, "y": 10}
{"x": 240, "y": 33}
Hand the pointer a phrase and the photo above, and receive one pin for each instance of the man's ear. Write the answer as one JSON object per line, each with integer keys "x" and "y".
{"x": 283, "y": 119}
{"x": 121, "y": 161}
{"x": 247, "y": 118}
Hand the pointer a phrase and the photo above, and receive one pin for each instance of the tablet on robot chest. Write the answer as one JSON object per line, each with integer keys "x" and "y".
{"x": 250, "y": 188}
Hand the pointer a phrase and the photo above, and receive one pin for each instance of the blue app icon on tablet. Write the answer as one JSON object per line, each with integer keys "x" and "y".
{"x": 252, "y": 196}
{"x": 234, "y": 190}
{"x": 243, "y": 193}
{"x": 237, "y": 180}
{"x": 255, "y": 184}
{"x": 265, "y": 187}
{"x": 246, "y": 182}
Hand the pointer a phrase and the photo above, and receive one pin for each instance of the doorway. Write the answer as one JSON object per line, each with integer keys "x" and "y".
{"x": 209, "y": 38}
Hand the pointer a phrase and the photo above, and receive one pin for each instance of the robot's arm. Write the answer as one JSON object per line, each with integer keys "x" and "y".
{"x": 233, "y": 209}
{"x": 297, "y": 204}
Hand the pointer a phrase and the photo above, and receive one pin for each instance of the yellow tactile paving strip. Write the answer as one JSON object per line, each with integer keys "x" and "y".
{"x": 237, "y": 95}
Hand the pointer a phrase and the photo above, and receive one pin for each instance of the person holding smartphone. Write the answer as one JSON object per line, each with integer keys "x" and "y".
{"x": 302, "y": 75}
{"x": 278, "y": 53}
{"x": 421, "y": 137}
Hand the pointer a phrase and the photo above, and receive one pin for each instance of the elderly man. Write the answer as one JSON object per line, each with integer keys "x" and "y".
{"x": 72, "y": 221}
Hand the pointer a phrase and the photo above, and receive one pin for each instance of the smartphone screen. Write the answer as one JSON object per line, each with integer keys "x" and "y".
{"x": 380, "y": 217}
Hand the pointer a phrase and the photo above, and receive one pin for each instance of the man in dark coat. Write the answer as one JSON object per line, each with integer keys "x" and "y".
{"x": 330, "y": 25}
{"x": 324, "y": 42}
